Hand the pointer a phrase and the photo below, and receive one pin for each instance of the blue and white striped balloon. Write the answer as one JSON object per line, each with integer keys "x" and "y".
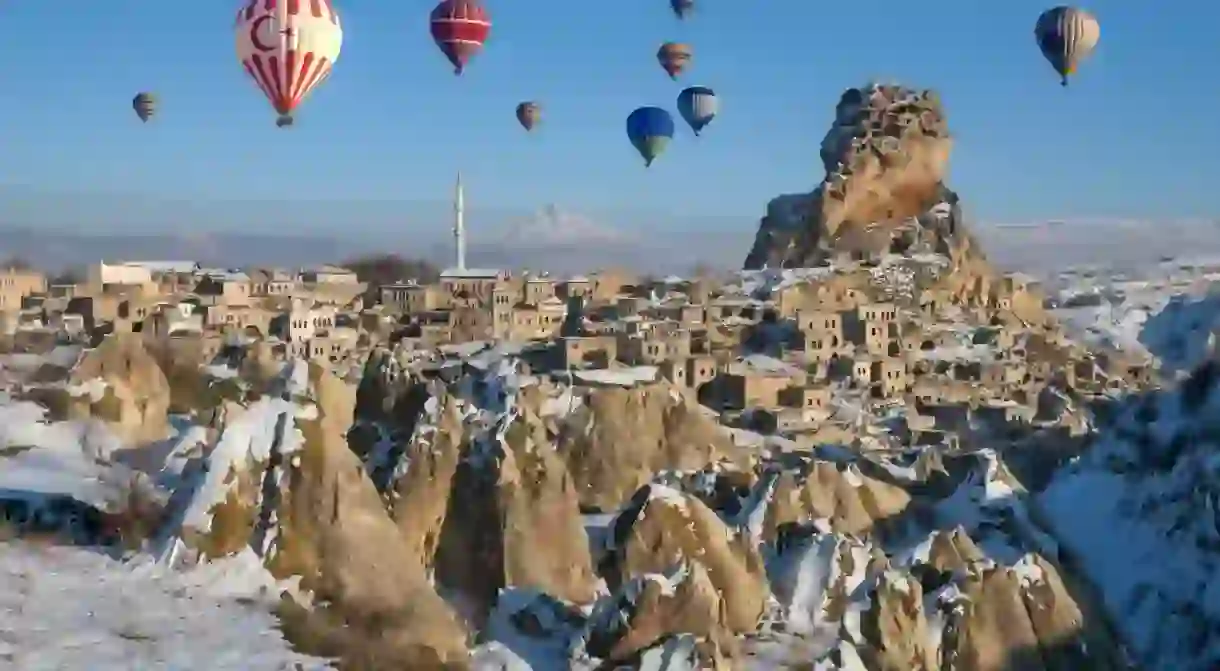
{"x": 698, "y": 106}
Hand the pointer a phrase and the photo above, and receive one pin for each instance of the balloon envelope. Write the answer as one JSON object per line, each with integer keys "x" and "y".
{"x": 528, "y": 114}
{"x": 288, "y": 48}
{"x": 674, "y": 58}
{"x": 145, "y": 105}
{"x": 682, "y": 8}
{"x": 1066, "y": 36}
{"x": 698, "y": 106}
{"x": 459, "y": 28}
{"x": 650, "y": 129}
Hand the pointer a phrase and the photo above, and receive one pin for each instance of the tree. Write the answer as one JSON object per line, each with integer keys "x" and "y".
{"x": 68, "y": 276}
{"x": 16, "y": 263}
{"x": 382, "y": 269}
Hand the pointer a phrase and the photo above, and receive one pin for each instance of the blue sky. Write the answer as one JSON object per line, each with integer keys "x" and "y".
{"x": 1135, "y": 136}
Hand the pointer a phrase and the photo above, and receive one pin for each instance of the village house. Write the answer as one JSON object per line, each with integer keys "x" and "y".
{"x": 537, "y": 289}
{"x": 477, "y": 284}
{"x": 587, "y": 352}
{"x": 578, "y": 285}
{"x": 273, "y": 283}
{"x": 328, "y": 274}
{"x": 411, "y": 298}
{"x": 755, "y": 381}
{"x": 653, "y": 347}
{"x": 223, "y": 288}
{"x": 16, "y": 285}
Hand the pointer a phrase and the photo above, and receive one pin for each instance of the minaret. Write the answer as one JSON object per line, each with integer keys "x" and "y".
{"x": 459, "y": 225}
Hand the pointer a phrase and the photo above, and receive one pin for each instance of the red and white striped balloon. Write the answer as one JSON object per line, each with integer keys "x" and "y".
{"x": 288, "y": 47}
{"x": 459, "y": 28}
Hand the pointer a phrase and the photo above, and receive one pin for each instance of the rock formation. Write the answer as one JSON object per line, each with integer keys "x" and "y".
{"x": 281, "y": 482}
{"x": 885, "y": 157}
{"x": 117, "y": 382}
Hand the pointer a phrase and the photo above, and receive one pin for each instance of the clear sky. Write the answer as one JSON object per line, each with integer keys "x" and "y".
{"x": 1135, "y": 136}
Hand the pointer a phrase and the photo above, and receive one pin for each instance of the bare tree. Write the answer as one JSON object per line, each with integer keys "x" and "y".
{"x": 382, "y": 269}
{"x": 16, "y": 263}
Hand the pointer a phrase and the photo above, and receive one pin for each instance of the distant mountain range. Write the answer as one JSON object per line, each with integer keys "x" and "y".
{"x": 76, "y": 229}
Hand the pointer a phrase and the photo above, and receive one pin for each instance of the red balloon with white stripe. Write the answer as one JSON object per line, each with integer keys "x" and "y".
{"x": 288, "y": 47}
{"x": 460, "y": 27}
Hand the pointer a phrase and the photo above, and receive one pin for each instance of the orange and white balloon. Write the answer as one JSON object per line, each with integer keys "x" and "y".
{"x": 288, "y": 47}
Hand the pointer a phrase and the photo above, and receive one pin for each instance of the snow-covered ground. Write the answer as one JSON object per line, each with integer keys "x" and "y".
{"x": 1138, "y": 514}
{"x": 73, "y": 609}
{"x": 1166, "y": 310}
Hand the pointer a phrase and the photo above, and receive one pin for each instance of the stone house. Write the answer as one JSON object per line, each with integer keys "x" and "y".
{"x": 272, "y": 283}
{"x": 808, "y": 398}
{"x": 700, "y": 370}
{"x": 679, "y": 311}
{"x": 252, "y": 319}
{"x": 630, "y": 306}
{"x": 223, "y": 289}
{"x": 821, "y": 322}
{"x": 651, "y": 348}
{"x": 16, "y": 285}
{"x": 587, "y": 352}
{"x": 299, "y": 324}
{"x": 1003, "y": 374}
{"x": 531, "y": 322}
{"x": 474, "y": 284}
{"x": 578, "y": 285}
{"x": 412, "y": 298}
{"x": 756, "y": 382}
{"x": 607, "y": 285}
{"x": 889, "y": 377}
{"x": 538, "y": 289}
{"x": 328, "y": 274}
{"x": 818, "y": 347}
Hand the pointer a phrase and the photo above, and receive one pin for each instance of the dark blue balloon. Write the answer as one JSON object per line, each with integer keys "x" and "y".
{"x": 650, "y": 129}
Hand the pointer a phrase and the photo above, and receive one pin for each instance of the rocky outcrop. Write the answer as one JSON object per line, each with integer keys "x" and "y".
{"x": 810, "y": 489}
{"x": 117, "y": 382}
{"x": 617, "y": 439}
{"x": 663, "y": 527}
{"x": 281, "y": 482}
{"x": 477, "y": 487}
{"x": 883, "y": 192}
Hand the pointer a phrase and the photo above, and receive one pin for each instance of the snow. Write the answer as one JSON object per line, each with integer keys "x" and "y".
{"x": 220, "y": 372}
{"x": 1141, "y": 579}
{"x": 622, "y": 377}
{"x": 55, "y": 459}
{"x": 248, "y": 438}
{"x": 1137, "y": 514}
{"x": 94, "y": 388}
{"x": 68, "y": 608}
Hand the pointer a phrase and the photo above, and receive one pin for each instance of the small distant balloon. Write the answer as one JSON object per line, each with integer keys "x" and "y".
{"x": 145, "y": 105}
{"x": 528, "y": 114}
{"x": 459, "y": 28}
{"x": 674, "y": 58}
{"x": 698, "y": 106}
{"x": 682, "y": 8}
{"x": 1066, "y": 36}
{"x": 650, "y": 129}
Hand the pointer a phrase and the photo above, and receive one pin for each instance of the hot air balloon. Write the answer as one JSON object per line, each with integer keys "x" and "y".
{"x": 682, "y": 8}
{"x": 674, "y": 58}
{"x": 528, "y": 114}
{"x": 1066, "y": 36}
{"x": 145, "y": 105}
{"x": 288, "y": 47}
{"x": 698, "y": 106}
{"x": 650, "y": 129}
{"x": 460, "y": 28}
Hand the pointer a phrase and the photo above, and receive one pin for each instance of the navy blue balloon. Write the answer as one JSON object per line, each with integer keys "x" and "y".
{"x": 650, "y": 129}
